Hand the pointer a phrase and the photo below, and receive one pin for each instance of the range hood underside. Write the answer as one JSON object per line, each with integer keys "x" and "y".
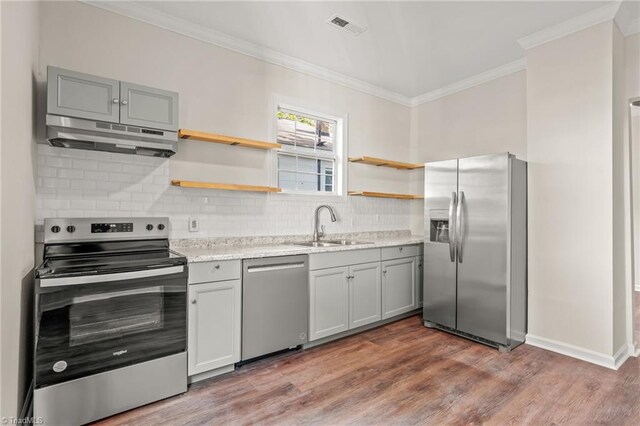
{"x": 65, "y": 132}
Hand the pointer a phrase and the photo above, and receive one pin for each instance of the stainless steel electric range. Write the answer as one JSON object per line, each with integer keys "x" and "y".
{"x": 111, "y": 318}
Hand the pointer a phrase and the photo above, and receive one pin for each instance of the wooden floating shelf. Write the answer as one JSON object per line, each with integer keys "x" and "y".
{"x": 386, "y": 195}
{"x": 385, "y": 163}
{"x": 227, "y": 140}
{"x": 225, "y": 186}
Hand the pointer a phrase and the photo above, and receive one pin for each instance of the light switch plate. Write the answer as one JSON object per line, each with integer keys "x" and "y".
{"x": 194, "y": 224}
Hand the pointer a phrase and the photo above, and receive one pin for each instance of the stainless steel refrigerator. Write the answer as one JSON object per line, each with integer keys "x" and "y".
{"x": 475, "y": 249}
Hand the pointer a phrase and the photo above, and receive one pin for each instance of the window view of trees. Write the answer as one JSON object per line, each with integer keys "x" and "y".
{"x": 309, "y": 167}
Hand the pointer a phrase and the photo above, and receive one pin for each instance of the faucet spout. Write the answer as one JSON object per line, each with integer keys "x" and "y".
{"x": 317, "y": 234}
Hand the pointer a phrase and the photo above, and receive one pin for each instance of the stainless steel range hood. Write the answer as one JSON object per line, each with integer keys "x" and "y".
{"x": 78, "y": 133}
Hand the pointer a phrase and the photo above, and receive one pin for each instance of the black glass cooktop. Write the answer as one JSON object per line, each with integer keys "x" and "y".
{"x": 106, "y": 257}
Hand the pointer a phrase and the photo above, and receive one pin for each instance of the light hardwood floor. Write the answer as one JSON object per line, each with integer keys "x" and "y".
{"x": 403, "y": 373}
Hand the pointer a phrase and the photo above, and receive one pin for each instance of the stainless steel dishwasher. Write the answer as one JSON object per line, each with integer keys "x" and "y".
{"x": 275, "y": 304}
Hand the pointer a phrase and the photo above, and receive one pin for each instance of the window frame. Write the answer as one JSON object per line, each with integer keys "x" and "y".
{"x": 340, "y": 145}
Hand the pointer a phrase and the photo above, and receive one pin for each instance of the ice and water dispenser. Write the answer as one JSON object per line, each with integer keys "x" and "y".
{"x": 439, "y": 232}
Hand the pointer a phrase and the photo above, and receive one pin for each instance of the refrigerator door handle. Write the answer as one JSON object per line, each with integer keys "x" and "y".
{"x": 452, "y": 227}
{"x": 459, "y": 227}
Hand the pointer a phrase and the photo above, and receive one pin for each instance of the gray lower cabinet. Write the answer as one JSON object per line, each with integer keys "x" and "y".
{"x": 214, "y": 325}
{"x": 75, "y": 94}
{"x": 365, "y": 294}
{"x": 329, "y": 302}
{"x": 398, "y": 286}
{"x": 420, "y": 280}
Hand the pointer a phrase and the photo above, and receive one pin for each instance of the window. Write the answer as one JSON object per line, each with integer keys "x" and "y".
{"x": 309, "y": 160}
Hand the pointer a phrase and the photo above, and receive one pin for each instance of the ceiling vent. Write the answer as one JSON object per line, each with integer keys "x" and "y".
{"x": 346, "y": 25}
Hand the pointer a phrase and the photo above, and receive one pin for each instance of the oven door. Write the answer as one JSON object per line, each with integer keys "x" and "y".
{"x": 95, "y": 323}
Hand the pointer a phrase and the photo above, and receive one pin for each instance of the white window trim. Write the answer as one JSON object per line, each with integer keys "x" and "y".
{"x": 341, "y": 143}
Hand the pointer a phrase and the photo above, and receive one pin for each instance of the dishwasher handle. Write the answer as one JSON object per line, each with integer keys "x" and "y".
{"x": 275, "y": 267}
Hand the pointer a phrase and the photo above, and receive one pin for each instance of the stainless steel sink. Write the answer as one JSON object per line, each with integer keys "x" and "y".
{"x": 313, "y": 244}
{"x": 329, "y": 243}
{"x": 347, "y": 242}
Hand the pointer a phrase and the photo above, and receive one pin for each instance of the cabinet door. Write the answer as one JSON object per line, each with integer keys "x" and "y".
{"x": 419, "y": 280}
{"x": 148, "y": 107}
{"x": 398, "y": 286}
{"x": 365, "y": 294}
{"x": 329, "y": 302}
{"x": 74, "y": 94}
{"x": 214, "y": 325}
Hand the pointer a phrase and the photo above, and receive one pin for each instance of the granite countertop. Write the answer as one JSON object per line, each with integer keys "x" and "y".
{"x": 206, "y": 250}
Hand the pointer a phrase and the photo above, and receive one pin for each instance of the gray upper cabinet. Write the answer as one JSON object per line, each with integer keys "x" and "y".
{"x": 148, "y": 107}
{"x": 74, "y": 94}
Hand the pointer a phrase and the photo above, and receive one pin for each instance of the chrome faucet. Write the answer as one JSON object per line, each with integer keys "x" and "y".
{"x": 316, "y": 219}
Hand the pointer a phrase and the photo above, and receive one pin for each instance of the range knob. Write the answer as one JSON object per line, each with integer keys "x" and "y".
{"x": 149, "y": 227}
{"x": 161, "y": 226}
{"x": 71, "y": 228}
{"x": 55, "y": 229}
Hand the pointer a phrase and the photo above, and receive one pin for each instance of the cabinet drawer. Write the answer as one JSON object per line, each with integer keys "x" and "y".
{"x": 201, "y": 272}
{"x": 343, "y": 258}
{"x": 398, "y": 252}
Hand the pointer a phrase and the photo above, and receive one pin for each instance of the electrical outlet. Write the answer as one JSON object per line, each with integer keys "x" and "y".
{"x": 194, "y": 224}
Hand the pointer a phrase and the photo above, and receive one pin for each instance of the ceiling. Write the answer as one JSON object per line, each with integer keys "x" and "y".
{"x": 410, "y": 48}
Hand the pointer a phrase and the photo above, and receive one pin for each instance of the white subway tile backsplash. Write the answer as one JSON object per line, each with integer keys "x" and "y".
{"x": 99, "y": 184}
{"x": 83, "y": 184}
{"x": 71, "y": 173}
{"x": 85, "y": 164}
{"x": 107, "y": 205}
{"x": 110, "y": 167}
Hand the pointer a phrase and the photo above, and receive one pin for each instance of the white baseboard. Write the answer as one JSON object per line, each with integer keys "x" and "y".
{"x": 621, "y": 356}
{"x": 613, "y": 362}
{"x": 637, "y": 287}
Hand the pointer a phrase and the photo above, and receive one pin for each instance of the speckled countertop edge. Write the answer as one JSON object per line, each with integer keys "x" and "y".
{"x": 207, "y": 252}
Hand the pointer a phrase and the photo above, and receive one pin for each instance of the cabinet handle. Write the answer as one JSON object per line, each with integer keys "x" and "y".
{"x": 384, "y": 272}
{"x": 350, "y": 277}
{"x": 124, "y": 102}
{"x": 116, "y": 100}
{"x": 194, "y": 301}
{"x": 217, "y": 266}
{"x": 401, "y": 248}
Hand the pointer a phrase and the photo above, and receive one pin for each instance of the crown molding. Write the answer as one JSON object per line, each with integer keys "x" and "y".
{"x": 570, "y": 26}
{"x": 632, "y": 28}
{"x": 467, "y": 83}
{"x": 199, "y": 32}
{"x": 628, "y": 27}
{"x": 628, "y": 18}
{"x": 154, "y": 17}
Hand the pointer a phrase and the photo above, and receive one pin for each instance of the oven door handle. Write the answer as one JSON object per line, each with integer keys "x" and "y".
{"x": 91, "y": 279}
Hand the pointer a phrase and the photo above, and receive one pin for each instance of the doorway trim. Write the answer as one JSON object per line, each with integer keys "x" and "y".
{"x": 634, "y": 348}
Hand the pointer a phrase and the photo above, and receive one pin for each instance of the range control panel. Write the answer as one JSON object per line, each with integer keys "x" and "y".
{"x": 99, "y": 229}
{"x": 111, "y": 227}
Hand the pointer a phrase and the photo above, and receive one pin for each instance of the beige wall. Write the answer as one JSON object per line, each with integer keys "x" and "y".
{"x": 570, "y": 154}
{"x": 19, "y": 56}
{"x": 632, "y": 79}
{"x": 621, "y": 225}
{"x": 632, "y": 65}
{"x": 485, "y": 119}
{"x": 223, "y": 92}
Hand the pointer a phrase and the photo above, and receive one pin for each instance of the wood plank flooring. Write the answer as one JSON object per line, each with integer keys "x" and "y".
{"x": 405, "y": 374}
